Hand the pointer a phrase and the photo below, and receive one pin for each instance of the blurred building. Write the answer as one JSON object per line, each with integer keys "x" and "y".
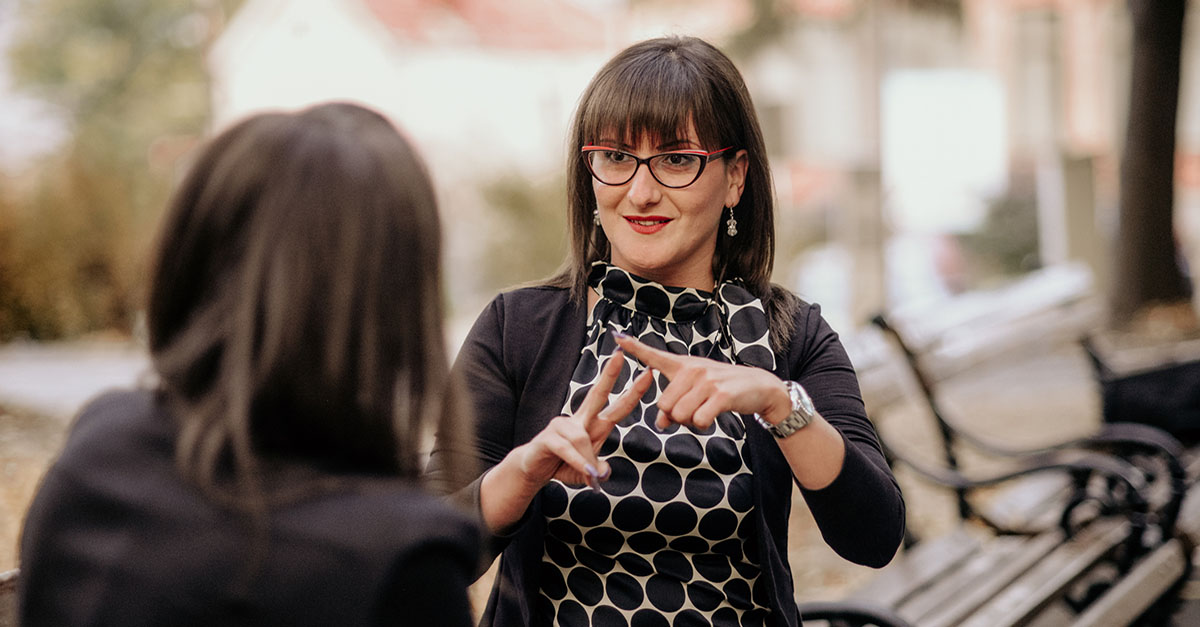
{"x": 481, "y": 86}
{"x": 897, "y": 129}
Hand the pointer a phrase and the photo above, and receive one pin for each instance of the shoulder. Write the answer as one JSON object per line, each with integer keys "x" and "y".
{"x": 537, "y": 310}
{"x": 117, "y": 424}
{"x": 530, "y": 299}
{"x": 803, "y": 332}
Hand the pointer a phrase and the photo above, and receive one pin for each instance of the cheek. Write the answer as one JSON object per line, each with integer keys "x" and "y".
{"x": 606, "y": 196}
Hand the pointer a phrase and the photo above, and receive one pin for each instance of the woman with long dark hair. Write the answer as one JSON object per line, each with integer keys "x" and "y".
{"x": 643, "y": 416}
{"x": 274, "y": 473}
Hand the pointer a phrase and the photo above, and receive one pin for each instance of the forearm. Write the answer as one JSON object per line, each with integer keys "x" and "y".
{"x": 815, "y": 454}
{"x": 851, "y": 494}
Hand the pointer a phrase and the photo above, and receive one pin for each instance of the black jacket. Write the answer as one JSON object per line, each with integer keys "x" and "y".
{"x": 115, "y": 536}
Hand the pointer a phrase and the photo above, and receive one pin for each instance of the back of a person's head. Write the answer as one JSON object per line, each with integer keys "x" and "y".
{"x": 294, "y": 309}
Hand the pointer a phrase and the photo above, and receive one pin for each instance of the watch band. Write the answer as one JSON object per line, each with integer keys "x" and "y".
{"x": 802, "y": 414}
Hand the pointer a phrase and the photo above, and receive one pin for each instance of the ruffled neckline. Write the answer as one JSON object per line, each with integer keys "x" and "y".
{"x": 645, "y": 296}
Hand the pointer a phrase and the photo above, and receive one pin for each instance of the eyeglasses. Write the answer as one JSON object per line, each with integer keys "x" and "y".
{"x": 675, "y": 169}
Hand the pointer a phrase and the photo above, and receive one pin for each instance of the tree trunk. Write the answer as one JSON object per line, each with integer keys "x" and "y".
{"x": 1147, "y": 270}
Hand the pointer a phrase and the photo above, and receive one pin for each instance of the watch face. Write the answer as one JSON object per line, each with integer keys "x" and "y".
{"x": 800, "y": 399}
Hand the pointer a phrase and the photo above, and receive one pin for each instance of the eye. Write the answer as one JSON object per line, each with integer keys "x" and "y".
{"x": 679, "y": 161}
{"x": 612, "y": 156}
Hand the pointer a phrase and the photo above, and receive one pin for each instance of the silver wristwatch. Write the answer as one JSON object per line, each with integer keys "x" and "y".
{"x": 803, "y": 413}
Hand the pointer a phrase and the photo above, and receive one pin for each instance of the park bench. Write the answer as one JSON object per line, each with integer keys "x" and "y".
{"x": 1086, "y": 535}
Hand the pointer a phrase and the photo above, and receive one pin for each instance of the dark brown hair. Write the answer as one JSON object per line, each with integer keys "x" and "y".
{"x": 653, "y": 89}
{"x": 295, "y": 310}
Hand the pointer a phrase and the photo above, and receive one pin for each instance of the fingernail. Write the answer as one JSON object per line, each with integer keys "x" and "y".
{"x": 620, "y": 334}
{"x": 607, "y": 473}
{"x": 592, "y": 478}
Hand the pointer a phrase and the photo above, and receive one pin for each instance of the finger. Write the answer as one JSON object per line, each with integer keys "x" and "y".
{"x": 663, "y": 419}
{"x": 581, "y": 461}
{"x": 684, "y": 408}
{"x": 571, "y": 477}
{"x": 706, "y": 414}
{"x": 674, "y": 389}
{"x": 620, "y": 408}
{"x": 652, "y": 357}
{"x": 597, "y": 397}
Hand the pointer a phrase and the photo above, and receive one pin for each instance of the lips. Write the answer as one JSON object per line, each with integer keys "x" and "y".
{"x": 647, "y": 224}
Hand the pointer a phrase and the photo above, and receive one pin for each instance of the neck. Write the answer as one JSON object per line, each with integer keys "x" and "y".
{"x": 702, "y": 281}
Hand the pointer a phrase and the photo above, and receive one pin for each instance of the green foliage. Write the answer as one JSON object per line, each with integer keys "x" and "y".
{"x": 529, "y": 237}
{"x": 130, "y": 81}
{"x": 1007, "y": 243}
{"x": 773, "y": 20}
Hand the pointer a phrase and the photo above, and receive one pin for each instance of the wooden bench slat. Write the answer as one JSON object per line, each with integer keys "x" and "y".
{"x": 919, "y": 567}
{"x": 1034, "y": 502}
{"x": 953, "y": 609}
{"x": 1051, "y": 576}
{"x": 1138, "y": 589}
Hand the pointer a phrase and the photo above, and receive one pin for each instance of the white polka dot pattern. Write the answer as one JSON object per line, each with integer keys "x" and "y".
{"x": 670, "y": 538}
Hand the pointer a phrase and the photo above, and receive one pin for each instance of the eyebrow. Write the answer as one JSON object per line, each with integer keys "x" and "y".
{"x": 678, "y": 143}
{"x": 674, "y": 144}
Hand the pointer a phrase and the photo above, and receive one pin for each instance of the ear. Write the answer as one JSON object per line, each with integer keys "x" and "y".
{"x": 735, "y": 175}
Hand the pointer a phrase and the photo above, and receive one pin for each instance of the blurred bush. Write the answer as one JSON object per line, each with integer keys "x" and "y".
{"x": 1006, "y": 244}
{"x": 130, "y": 80}
{"x": 528, "y": 230}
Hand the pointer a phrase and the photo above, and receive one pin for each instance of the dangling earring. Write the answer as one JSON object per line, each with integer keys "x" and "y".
{"x": 596, "y": 216}
{"x": 731, "y": 224}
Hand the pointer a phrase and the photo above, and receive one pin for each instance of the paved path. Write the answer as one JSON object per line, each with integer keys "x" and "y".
{"x": 55, "y": 380}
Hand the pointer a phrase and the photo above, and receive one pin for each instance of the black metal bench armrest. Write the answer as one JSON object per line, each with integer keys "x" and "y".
{"x": 1075, "y": 462}
{"x": 855, "y": 613}
{"x": 1116, "y": 439}
{"x": 1048, "y": 461}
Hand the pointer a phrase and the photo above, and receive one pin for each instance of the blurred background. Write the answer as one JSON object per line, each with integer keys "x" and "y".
{"x": 920, "y": 149}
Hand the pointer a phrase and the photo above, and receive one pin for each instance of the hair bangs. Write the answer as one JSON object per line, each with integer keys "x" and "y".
{"x": 655, "y": 101}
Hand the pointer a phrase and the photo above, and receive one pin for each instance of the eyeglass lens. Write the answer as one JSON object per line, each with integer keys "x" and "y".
{"x": 671, "y": 169}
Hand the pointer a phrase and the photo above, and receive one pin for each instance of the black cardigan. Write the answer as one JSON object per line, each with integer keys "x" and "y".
{"x": 517, "y": 362}
{"x": 116, "y": 536}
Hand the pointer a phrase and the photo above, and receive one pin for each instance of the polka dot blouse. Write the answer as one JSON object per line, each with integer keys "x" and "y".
{"x": 669, "y": 539}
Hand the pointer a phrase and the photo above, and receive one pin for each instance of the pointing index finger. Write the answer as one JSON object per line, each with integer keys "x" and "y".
{"x": 597, "y": 397}
{"x": 660, "y": 360}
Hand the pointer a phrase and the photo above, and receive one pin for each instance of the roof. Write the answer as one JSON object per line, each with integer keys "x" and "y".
{"x": 530, "y": 24}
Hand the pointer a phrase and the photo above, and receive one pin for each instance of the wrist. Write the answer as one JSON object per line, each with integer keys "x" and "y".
{"x": 505, "y": 493}
{"x": 800, "y": 414}
{"x": 779, "y": 406}
{"x": 524, "y": 483}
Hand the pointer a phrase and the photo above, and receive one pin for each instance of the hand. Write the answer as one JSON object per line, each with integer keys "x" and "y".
{"x": 566, "y": 448}
{"x": 701, "y": 388}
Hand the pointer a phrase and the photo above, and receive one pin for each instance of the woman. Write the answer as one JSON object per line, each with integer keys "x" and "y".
{"x": 661, "y": 497}
{"x": 273, "y": 477}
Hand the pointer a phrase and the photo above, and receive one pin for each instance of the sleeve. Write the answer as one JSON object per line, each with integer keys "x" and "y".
{"x": 861, "y": 514}
{"x": 493, "y": 396}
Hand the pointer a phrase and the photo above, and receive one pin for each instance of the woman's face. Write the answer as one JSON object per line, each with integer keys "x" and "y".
{"x": 664, "y": 234}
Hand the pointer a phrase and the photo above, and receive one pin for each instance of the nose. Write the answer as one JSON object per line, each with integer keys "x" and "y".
{"x": 644, "y": 190}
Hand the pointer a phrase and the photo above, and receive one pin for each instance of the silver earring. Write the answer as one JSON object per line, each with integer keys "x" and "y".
{"x": 596, "y": 216}
{"x": 731, "y": 224}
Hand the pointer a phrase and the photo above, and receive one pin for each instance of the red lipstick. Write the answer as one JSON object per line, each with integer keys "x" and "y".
{"x": 647, "y": 224}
